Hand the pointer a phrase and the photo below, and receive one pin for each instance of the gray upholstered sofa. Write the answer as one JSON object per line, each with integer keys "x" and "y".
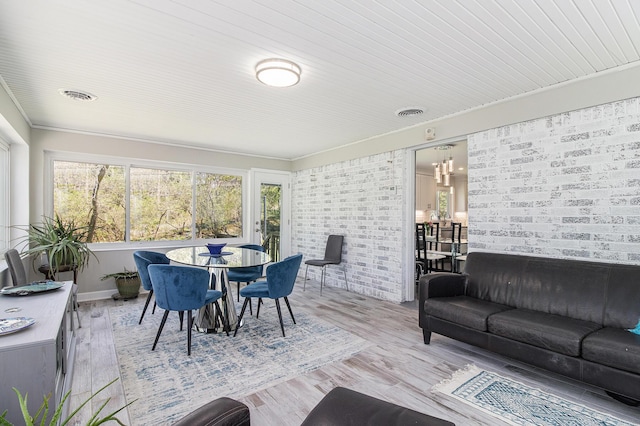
{"x": 567, "y": 316}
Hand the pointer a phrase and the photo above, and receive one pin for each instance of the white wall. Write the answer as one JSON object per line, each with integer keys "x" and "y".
{"x": 362, "y": 199}
{"x": 562, "y": 186}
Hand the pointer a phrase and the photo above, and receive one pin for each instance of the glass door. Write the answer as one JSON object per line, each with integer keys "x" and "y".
{"x": 271, "y": 213}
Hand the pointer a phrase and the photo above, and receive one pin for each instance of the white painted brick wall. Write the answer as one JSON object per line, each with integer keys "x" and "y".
{"x": 363, "y": 200}
{"x": 563, "y": 186}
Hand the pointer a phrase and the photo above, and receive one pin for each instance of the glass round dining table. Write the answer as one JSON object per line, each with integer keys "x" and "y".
{"x": 218, "y": 265}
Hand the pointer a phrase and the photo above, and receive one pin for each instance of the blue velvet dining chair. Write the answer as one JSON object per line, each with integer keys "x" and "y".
{"x": 281, "y": 276}
{"x": 183, "y": 288}
{"x": 143, "y": 259}
{"x": 249, "y": 274}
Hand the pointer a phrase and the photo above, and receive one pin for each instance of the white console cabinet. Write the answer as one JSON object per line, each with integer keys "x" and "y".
{"x": 39, "y": 359}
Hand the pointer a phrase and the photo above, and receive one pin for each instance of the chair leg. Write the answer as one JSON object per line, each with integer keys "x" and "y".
{"x": 181, "y": 315}
{"x": 164, "y": 319}
{"x": 304, "y": 283}
{"x": 153, "y": 311}
{"x": 290, "y": 311}
{"x": 280, "y": 316}
{"x": 258, "y": 311}
{"x": 346, "y": 284}
{"x": 189, "y": 322}
{"x": 146, "y": 304}
{"x": 244, "y": 306}
{"x": 238, "y": 291}
{"x": 322, "y": 277}
{"x": 225, "y": 324}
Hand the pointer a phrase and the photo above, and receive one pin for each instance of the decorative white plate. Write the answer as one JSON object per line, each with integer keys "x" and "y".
{"x": 11, "y": 325}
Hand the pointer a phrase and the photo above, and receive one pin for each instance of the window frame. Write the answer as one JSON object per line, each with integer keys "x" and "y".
{"x": 128, "y": 163}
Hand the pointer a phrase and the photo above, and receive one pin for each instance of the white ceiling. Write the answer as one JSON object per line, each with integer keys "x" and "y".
{"x": 181, "y": 71}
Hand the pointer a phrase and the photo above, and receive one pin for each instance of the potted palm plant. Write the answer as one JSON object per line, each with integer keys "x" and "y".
{"x": 127, "y": 282}
{"x": 63, "y": 242}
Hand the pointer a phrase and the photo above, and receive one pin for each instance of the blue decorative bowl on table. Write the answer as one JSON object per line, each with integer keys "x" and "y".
{"x": 215, "y": 248}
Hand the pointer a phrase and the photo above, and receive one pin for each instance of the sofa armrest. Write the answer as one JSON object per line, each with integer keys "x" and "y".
{"x": 441, "y": 284}
{"x": 219, "y": 412}
{"x": 346, "y": 407}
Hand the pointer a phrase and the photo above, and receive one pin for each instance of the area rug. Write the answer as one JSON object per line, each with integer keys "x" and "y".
{"x": 519, "y": 404}
{"x": 169, "y": 384}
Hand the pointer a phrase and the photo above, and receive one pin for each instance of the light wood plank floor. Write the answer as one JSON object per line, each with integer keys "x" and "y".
{"x": 396, "y": 366}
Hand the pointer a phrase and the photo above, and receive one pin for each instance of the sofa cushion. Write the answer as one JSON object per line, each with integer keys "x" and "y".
{"x": 463, "y": 310}
{"x": 613, "y": 347}
{"x": 622, "y": 305}
{"x": 567, "y": 287}
{"x": 494, "y": 277}
{"x": 552, "y": 332}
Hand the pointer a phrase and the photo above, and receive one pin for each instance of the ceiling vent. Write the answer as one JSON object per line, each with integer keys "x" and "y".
{"x": 77, "y": 95}
{"x": 409, "y": 112}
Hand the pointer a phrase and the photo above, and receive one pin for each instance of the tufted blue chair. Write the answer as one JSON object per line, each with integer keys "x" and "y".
{"x": 183, "y": 288}
{"x": 281, "y": 277}
{"x": 248, "y": 274}
{"x": 143, "y": 259}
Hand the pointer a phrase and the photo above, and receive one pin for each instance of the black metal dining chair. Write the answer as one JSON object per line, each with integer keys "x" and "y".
{"x": 332, "y": 256}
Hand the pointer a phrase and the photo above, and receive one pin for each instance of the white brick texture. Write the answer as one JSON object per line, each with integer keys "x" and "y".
{"x": 564, "y": 186}
{"x": 363, "y": 200}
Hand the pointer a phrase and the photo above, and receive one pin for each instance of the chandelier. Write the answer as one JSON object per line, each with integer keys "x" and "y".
{"x": 443, "y": 170}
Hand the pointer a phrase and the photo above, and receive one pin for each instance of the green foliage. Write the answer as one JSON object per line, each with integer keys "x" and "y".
{"x": 43, "y": 411}
{"x": 161, "y": 202}
{"x": 62, "y": 241}
{"x": 122, "y": 275}
{"x": 93, "y": 195}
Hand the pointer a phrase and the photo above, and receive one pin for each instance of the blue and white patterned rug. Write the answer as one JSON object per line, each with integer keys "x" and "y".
{"x": 519, "y": 404}
{"x": 169, "y": 384}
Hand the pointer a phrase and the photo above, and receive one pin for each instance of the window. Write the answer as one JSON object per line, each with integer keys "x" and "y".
{"x": 4, "y": 196}
{"x": 218, "y": 206}
{"x": 160, "y": 204}
{"x": 122, "y": 203}
{"x": 444, "y": 205}
{"x": 91, "y": 195}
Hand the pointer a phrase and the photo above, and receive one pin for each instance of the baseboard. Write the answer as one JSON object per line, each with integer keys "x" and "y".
{"x": 101, "y": 295}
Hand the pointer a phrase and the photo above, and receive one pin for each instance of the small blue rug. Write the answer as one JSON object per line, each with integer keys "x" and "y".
{"x": 169, "y": 384}
{"x": 519, "y": 404}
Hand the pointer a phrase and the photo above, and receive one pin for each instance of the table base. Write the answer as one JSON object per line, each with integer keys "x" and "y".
{"x": 206, "y": 320}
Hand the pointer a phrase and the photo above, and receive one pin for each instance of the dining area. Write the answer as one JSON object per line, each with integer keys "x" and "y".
{"x": 440, "y": 247}
{"x": 198, "y": 278}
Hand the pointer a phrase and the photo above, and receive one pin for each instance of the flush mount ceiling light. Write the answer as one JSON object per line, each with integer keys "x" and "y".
{"x": 77, "y": 95}
{"x": 278, "y": 72}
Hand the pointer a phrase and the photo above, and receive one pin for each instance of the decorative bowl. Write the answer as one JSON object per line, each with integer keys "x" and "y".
{"x": 215, "y": 248}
